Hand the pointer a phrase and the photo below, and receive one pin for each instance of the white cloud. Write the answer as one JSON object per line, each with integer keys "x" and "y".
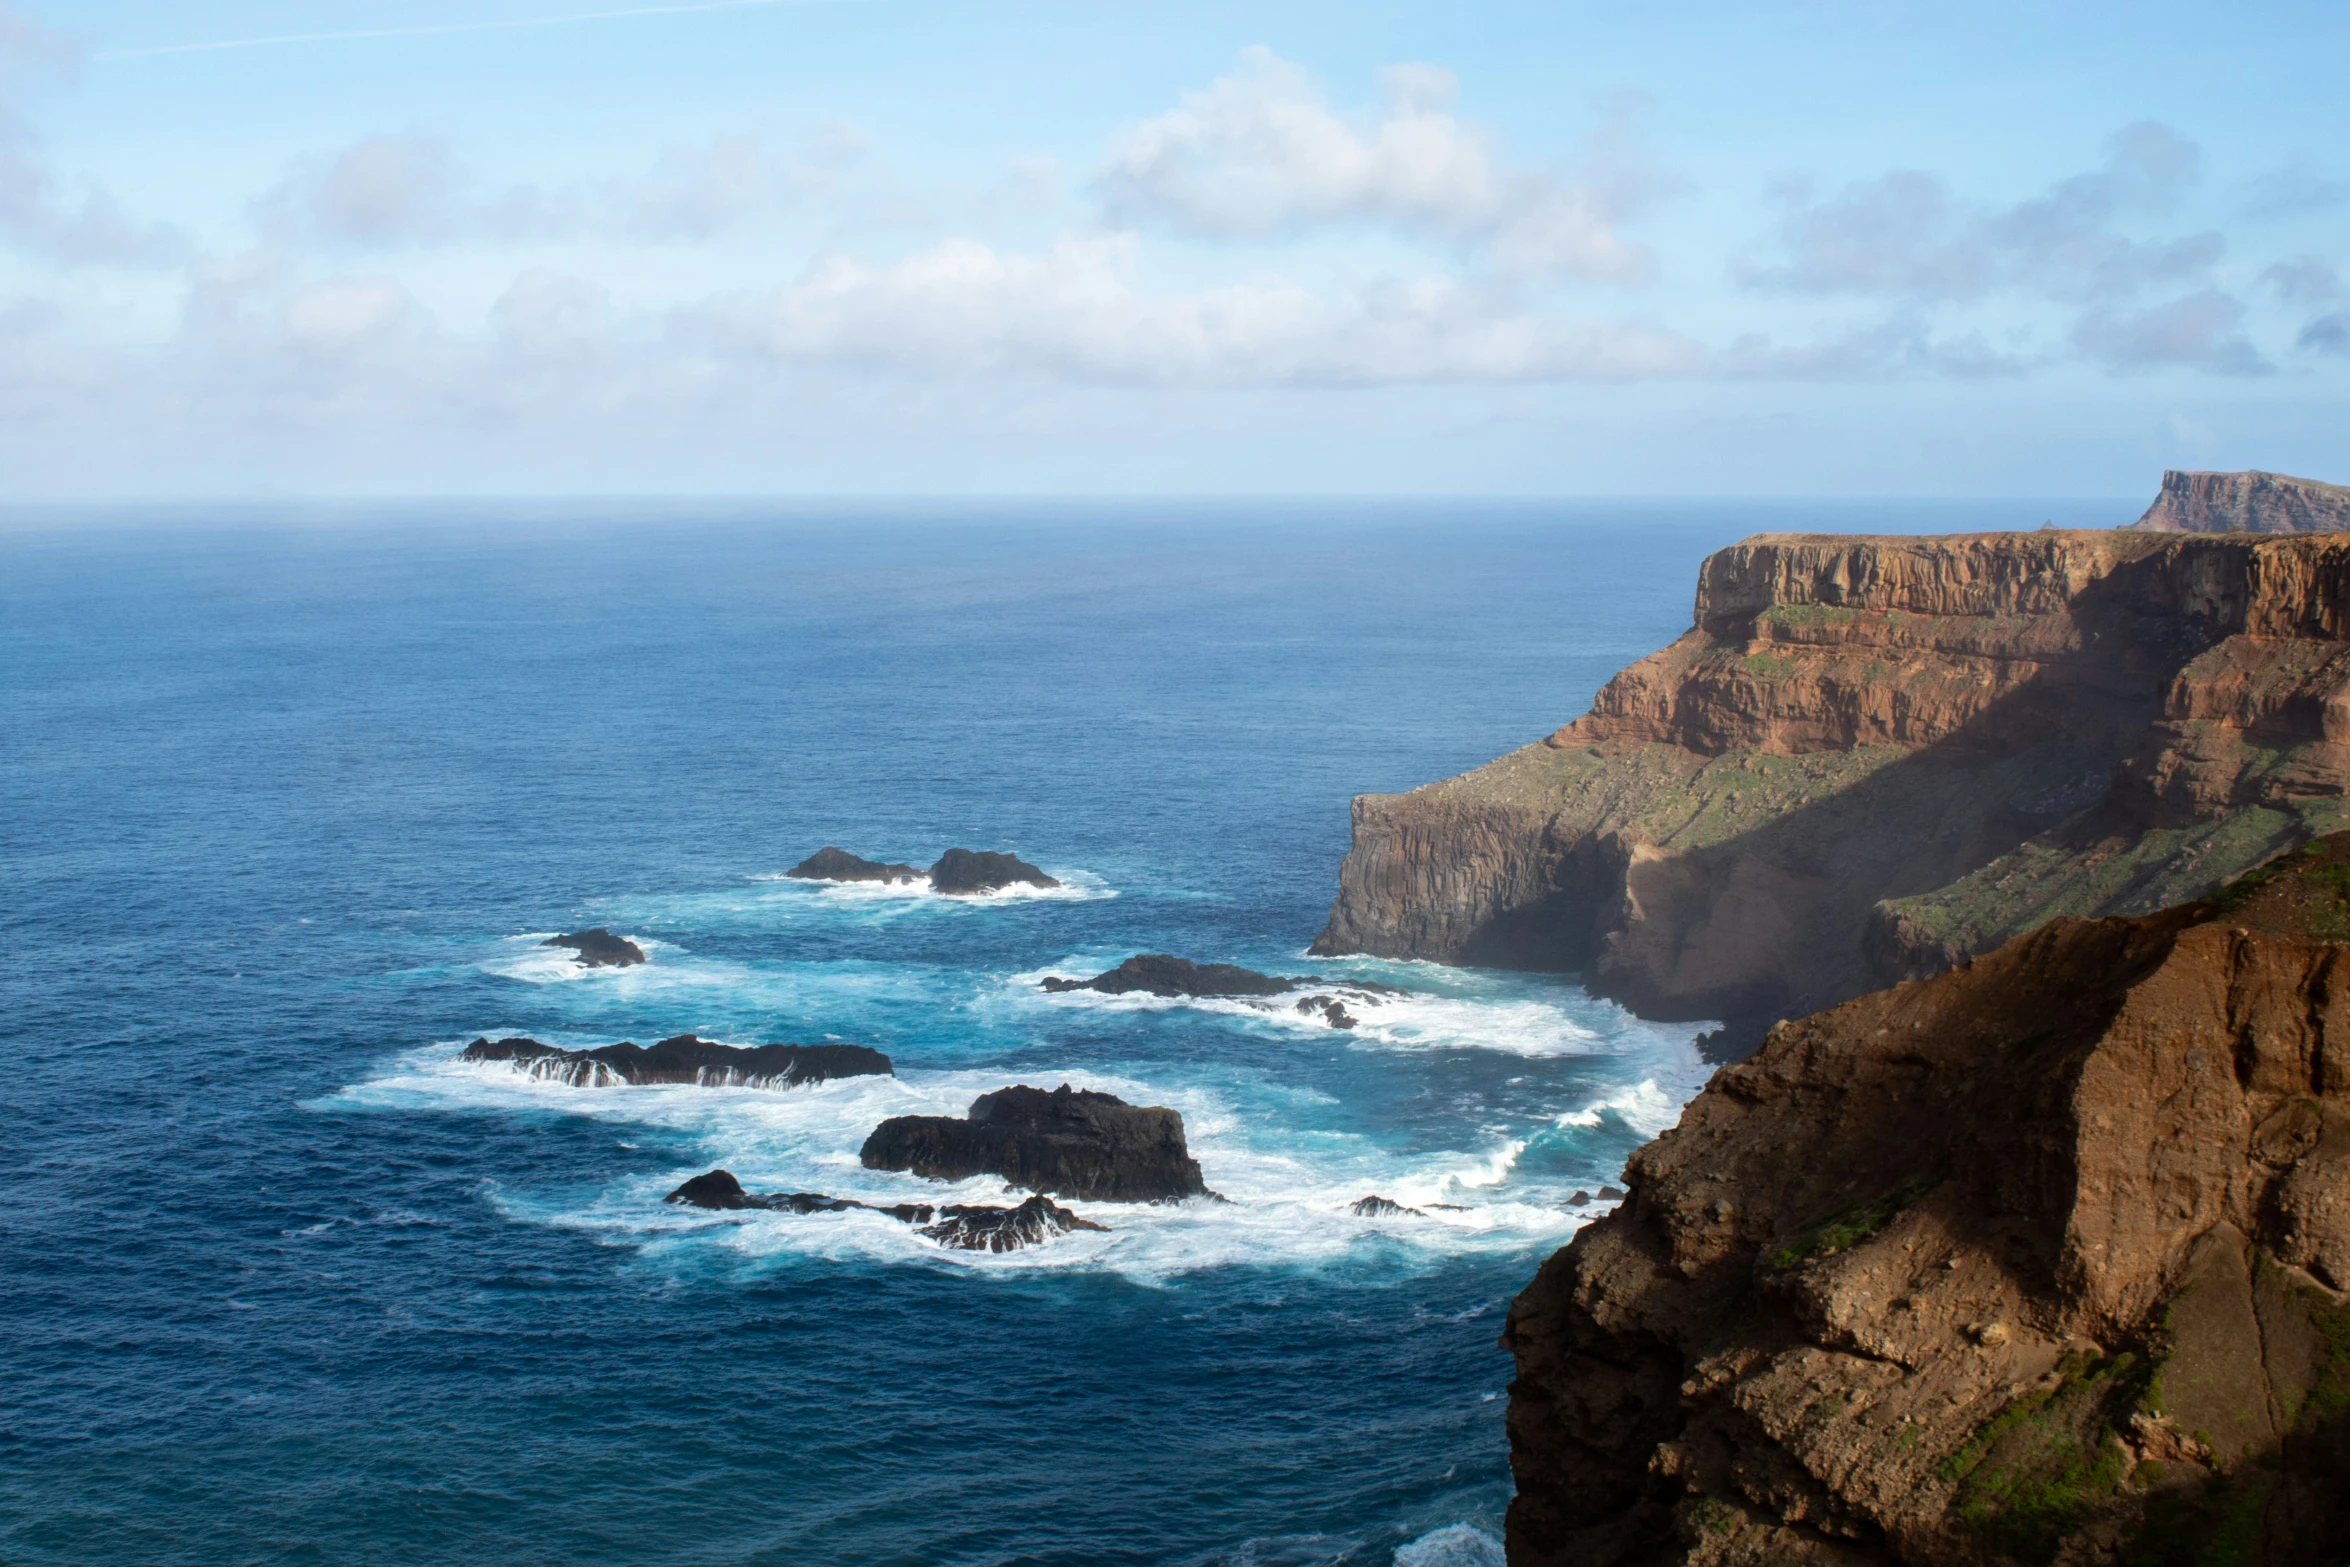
{"x": 1261, "y": 152}
{"x": 350, "y": 313}
{"x": 1905, "y": 234}
{"x": 2202, "y": 330}
{"x": 548, "y": 315}
{"x": 1076, "y": 312}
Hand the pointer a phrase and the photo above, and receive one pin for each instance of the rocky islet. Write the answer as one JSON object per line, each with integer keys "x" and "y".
{"x": 683, "y": 1059}
{"x": 598, "y": 948}
{"x": 1068, "y": 1142}
{"x": 957, "y": 873}
{"x": 957, "y": 1226}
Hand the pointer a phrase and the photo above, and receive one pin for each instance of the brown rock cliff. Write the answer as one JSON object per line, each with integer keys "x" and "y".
{"x": 2037, "y": 1261}
{"x": 2251, "y": 502}
{"x": 1875, "y": 756}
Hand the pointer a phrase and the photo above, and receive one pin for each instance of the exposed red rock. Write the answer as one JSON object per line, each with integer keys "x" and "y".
{"x": 2038, "y": 1260}
{"x": 1876, "y": 756}
{"x": 2251, "y": 502}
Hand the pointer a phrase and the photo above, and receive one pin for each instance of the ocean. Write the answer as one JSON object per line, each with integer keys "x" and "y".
{"x": 290, "y": 796}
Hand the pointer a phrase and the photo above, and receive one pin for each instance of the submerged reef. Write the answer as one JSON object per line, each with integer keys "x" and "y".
{"x": 684, "y": 1059}
{"x": 1874, "y": 758}
{"x": 1067, "y": 1143}
{"x": 1157, "y": 974}
{"x": 2040, "y": 1260}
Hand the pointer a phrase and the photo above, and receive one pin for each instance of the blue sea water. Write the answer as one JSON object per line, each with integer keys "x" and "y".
{"x": 288, "y": 800}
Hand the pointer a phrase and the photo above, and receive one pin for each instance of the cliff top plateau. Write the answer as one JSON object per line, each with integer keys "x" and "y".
{"x": 2246, "y": 503}
{"x": 1871, "y": 758}
{"x": 2037, "y": 1261}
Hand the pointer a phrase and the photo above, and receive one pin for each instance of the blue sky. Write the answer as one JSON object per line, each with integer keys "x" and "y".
{"x": 557, "y": 246}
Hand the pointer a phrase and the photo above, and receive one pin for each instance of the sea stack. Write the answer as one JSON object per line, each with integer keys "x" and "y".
{"x": 963, "y": 872}
{"x": 598, "y": 948}
{"x": 831, "y": 864}
{"x": 1873, "y": 758}
{"x": 1067, "y": 1143}
{"x": 2039, "y": 1260}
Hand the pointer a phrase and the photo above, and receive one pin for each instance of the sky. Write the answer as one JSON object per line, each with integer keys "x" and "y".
{"x": 261, "y": 248}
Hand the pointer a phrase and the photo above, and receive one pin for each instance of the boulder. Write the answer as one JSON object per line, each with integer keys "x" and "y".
{"x": 598, "y": 948}
{"x": 831, "y": 864}
{"x": 1333, "y": 1013}
{"x": 963, "y": 872}
{"x": 1066, "y": 1143}
{"x": 1377, "y": 1207}
{"x": 684, "y": 1059}
{"x": 958, "y": 1226}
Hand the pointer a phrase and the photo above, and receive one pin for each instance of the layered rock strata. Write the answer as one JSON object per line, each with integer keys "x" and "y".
{"x": 957, "y": 1226}
{"x": 684, "y": 1059}
{"x": 2040, "y": 1260}
{"x": 1873, "y": 757}
{"x": 1067, "y": 1143}
{"x": 2246, "y": 503}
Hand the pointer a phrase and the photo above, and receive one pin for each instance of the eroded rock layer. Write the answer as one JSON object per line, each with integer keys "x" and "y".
{"x": 1873, "y": 757}
{"x": 2251, "y": 502}
{"x": 2040, "y": 1260}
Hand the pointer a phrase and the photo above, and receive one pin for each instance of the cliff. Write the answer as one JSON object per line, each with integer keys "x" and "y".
{"x": 2246, "y": 503}
{"x": 1873, "y": 757}
{"x": 2041, "y": 1260}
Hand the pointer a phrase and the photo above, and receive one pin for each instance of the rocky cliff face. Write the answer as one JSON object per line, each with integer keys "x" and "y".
{"x": 2246, "y": 503}
{"x": 1873, "y": 757}
{"x": 2041, "y": 1260}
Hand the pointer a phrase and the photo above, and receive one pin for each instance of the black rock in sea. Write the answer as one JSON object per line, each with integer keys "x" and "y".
{"x": 1157, "y": 974}
{"x": 685, "y": 1059}
{"x": 831, "y": 864}
{"x": 598, "y": 948}
{"x": 1067, "y": 1143}
{"x": 1377, "y": 1207}
{"x": 961, "y": 1226}
{"x": 966, "y": 871}
{"x": 1333, "y": 1011}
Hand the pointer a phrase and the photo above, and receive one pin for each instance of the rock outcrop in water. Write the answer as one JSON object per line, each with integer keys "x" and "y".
{"x": 1876, "y": 757}
{"x": 958, "y": 1226}
{"x": 685, "y": 1059}
{"x": 831, "y": 864}
{"x": 1156, "y": 974}
{"x": 962, "y": 872}
{"x": 1066, "y": 1143}
{"x": 2246, "y": 503}
{"x": 2039, "y": 1260}
{"x": 598, "y": 948}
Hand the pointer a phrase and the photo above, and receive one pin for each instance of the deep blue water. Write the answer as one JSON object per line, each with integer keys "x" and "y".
{"x": 285, "y": 802}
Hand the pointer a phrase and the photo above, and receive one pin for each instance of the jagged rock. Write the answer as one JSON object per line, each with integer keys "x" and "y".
{"x": 1333, "y": 1013}
{"x": 2251, "y": 502}
{"x": 2004, "y": 1265}
{"x": 1377, "y": 1207}
{"x": 685, "y": 1059}
{"x": 1873, "y": 758}
{"x": 1155, "y": 973}
{"x": 598, "y": 948}
{"x": 962, "y": 1226}
{"x": 962, "y": 872}
{"x": 831, "y": 864}
{"x": 1035, "y": 1221}
{"x": 1067, "y": 1143}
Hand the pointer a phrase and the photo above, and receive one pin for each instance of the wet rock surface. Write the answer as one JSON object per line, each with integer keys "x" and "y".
{"x": 1157, "y": 974}
{"x": 961, "y": 1226}
{"x": 1377, "y": 1207}
{"x": 2011, "y": 1265}
{"x": 961, "y": 872}
{"x": 598, "y": 948}
{"x": 684, "y": 1059}
{"x": 831, "y": 864}
{"x": 1066, "y": 1143}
